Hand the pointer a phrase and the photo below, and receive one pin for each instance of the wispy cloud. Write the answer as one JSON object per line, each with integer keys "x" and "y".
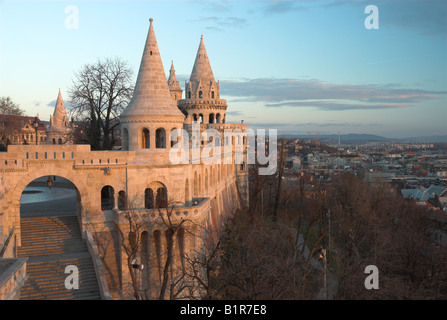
{"x": 282, "y": 7}
{"x": 338, "y": 124}
{"x": 314, "y": 93}
{"x": 326, "y": 105}
{"x": 424, "y": 18}
{"x": 219, "y": 23}
{"x": 234, "y": 113}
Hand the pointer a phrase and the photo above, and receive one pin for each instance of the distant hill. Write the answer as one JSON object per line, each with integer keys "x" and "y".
{"x": 351, "y": 138}
{"x": 355, "y": 138}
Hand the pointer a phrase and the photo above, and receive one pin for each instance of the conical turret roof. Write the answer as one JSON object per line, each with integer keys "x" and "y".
{"x": 151, "y": 95}
{"x": 202, "y": 68}
{"x": 60, "y": 117}
{"x": 172, "y": 78}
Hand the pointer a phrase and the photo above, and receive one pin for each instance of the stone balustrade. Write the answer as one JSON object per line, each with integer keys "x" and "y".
{"x": 12, "y": 277}
{"x": 197, "y": 209}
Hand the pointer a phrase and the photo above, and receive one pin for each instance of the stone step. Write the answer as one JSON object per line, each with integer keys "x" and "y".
{"x": 64, "y": 294}
{"x": 53, "y": 243}
{"x": 43, "y": 251}
{"x": 50, "y": 242}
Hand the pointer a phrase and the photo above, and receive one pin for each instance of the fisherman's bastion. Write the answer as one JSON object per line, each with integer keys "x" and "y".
{"x": 177, "y": 166}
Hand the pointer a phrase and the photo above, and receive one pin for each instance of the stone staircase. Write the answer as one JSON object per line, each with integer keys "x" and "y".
{"x": 52, "y": 244}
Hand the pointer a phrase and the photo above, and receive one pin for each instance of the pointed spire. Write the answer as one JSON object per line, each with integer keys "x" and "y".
{"x": 151, "y": 94}
{"x": 172, "y": 79}
{"x": 202, "y": 68}
{"x": 60, "y": 114}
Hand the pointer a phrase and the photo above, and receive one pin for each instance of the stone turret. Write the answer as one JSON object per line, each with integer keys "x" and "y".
{"x": 59, "y": 119}
{"x": 60, "y": 129}
{"x": 174, "y": 87}
{"x": 202, "y": 94}
{"x": 152, "y": 114}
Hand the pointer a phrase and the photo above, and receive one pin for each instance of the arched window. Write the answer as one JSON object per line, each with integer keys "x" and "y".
{"x": 206, "y": 181}
{"x": 194, "y": 117}
{"x": 122, "y": 200}
{"x": 174, "y": 137}
{"x": 157, "y": 247}
{"x": 54, "y": 141}
{"x": 196, "y": 185}
{"x": 200, "y": 94}
{"x": 212, "y": 94}
{"x": 145, "y": 138}
{"x": 145, "y": 254}
{"x": 107, "y": 198}
{"x": 149, "y": 198}
{"x": 200, "y": 118}
{"x": 187, "y": 198}
{"x": 218, "y": 118}
{"x": 125, "y": 143}
{"x": 59, "y": 141}
{"x": 200, "y": 185}
{"x": 181, "y": 246}
{"x": 162, "y": 198}
{"x": 217, "y": 142}
{"x": 211, "y": 118}
{"x": 189, "y": 94}
{"x": 160, "y": 138}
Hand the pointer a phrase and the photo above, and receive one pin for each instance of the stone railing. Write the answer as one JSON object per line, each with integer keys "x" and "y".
{"x": 219, "y": 127}
{"x": 18, "y": 156}
{"x": 12, "y": 277}
{"x": 193, "y": 211}
{"x": 5, "y": 250}
{"x": 97, "y": 263}
{"x": 198, "y": 102}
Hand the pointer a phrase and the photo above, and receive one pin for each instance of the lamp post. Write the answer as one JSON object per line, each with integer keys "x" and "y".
{"x": 137, "y": 267}
{"x": 49, "y": 182}
{"x": 36, "y": 125}
{"x": 323, "y": 256}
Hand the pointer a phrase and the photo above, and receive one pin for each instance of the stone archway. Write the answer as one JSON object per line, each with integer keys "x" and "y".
{"x": 15, "y": 194}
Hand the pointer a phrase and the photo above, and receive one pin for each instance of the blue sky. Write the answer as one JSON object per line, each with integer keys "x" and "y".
{"x": 295, "y": 66}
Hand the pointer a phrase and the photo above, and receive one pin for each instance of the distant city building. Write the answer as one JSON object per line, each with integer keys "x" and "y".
{"x": 32, "y": 130}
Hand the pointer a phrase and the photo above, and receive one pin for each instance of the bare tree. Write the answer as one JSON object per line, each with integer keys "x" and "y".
{"x": 281, "y": 166}
{"x": 8, "y": 107}
{"x": 99, "y": 93}
{"x": 172, "y": 227}
{"x": 130, "y": 242}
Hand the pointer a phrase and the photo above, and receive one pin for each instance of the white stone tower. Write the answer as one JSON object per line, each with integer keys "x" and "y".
{"x": 59, "y": 131}
{"x": 152, "y": 114}
{"x": 174, "y": 87}
{"x": 202, "y": 95}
